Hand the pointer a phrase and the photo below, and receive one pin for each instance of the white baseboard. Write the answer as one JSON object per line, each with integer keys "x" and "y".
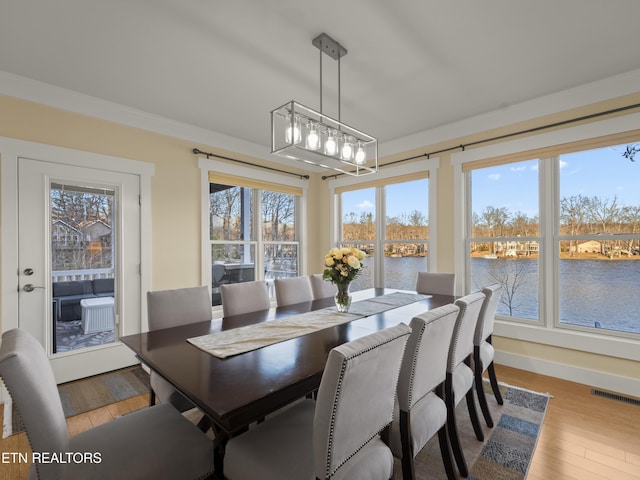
{"x": 606, "y": 381}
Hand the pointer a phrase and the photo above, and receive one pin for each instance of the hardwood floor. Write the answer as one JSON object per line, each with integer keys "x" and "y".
{"x": 584, "y": 436}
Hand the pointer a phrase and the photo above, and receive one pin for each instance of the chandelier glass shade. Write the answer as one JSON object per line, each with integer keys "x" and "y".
{"x": 301, "y": 133}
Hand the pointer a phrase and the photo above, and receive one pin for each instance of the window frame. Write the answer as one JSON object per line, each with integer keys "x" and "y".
{"x": 426, "y": 168}
{"x": 213, "y": 167}
{"x": 617, "y": 130}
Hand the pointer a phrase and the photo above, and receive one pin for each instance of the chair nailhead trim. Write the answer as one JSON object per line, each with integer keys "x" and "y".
{"x": 343, "y": 367}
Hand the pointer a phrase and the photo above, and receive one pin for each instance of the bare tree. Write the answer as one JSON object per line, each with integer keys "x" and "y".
{"x": 511, "y": 274}
{"x": 278, "y": 212}
{"x": 573, "y": 213}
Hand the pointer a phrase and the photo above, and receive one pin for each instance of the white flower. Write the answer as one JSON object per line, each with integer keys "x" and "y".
{"x": 353, "y": 262}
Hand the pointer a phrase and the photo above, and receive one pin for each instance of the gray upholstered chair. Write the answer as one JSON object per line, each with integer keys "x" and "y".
{"x": 338, "y": 436}
{"x": 244, "y": 297}
{"x": 155, "y": 442}
{"x": 322, "y": 288}
{"x": 436, "y": 283}
{"x": 421, "y": 409}
{"x": 171, "y": 308}
{"x": 290, "y": 291}
{"x": 460, "y": 377}
{"x": 483, "y": 351}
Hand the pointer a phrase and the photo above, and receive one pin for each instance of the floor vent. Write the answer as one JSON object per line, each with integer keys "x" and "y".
{"x": 615, "y": 396}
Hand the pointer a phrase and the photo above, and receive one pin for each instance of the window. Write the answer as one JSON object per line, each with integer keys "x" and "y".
{"x": 504, "y": 243}
{"x": 359, "y": 230}
{"x": 245, "y": 246}
{"x": 599, "y": 239}
{"x": 586, "y": 226}
{"x": 397, "y": 231}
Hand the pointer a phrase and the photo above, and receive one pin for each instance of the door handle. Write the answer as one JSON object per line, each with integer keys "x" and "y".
{"x": 30, "y": 287}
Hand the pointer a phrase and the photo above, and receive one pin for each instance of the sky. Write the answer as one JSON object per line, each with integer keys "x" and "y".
{"x": 401, "y": 198}
{"x": 602, "y": 172}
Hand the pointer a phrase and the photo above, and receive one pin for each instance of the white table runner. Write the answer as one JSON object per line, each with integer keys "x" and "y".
{"x": 252, "y": 337}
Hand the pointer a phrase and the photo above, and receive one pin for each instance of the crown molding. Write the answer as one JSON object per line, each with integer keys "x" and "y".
{"x": 64, "y": 99}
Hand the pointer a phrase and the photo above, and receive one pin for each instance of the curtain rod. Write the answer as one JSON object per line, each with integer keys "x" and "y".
{"x": 200, "y": 152}
{"x": 462, "y": 147}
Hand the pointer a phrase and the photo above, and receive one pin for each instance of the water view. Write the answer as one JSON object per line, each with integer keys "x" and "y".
{"x": 593, "y": 293}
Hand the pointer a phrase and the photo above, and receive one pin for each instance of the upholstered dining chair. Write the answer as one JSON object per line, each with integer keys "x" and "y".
{"x": 155, "y": 442}
{"x": 244, "y": 297}
{"x": 171, "y": 308}
{"x": 422, "y": 411}
{"x": 483, "y": 351}
{"x": 322, "y": 288}
{"x": 436, "y": 283}
{"x": 460, "y": 377}
{"x": 290, "y": 291}
{"x": 338, "y": 436}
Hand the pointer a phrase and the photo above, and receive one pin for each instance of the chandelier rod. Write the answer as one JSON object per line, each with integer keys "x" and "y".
{"x": 320, "y": 49}
{"x": 339, "y": 95}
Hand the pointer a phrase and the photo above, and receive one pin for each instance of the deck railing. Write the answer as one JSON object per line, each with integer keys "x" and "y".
{"x": 70, "y": 275}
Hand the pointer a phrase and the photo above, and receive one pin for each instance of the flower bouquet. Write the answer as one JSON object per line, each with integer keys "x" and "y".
{"x": 342, "y": 266}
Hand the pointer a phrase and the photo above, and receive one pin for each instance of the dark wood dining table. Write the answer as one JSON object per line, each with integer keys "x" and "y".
{"x": 236, "y": 391}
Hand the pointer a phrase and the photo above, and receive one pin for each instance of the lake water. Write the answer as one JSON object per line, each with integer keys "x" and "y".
{"x": 592, "y": 292}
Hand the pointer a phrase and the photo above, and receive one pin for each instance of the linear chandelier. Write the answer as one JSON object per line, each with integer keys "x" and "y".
{"x": 303, "y": 134}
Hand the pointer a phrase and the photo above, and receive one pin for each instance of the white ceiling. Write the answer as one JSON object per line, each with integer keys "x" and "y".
{"x": 412, "y": 65}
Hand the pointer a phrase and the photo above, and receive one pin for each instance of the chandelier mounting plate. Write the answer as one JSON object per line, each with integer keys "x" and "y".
{"x": 328, "y": 45}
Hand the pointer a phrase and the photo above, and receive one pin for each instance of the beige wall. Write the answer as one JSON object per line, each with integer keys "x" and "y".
{"x": 175, "y": 235}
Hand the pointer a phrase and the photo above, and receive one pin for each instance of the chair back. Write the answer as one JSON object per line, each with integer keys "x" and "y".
{"x": 487, "y": 313}
{"x": 171, "y": 308}
{"x": 322, "y": 288}
{"x": 292, "y": 290}
{"x": 464, "y": 331}
{"x": 356, "y": 397}
{"x": 424, "y": 365}
{"x": 244, "y": 297}
{"x": 436, "y": 283}
{"x": 27, "y": 374}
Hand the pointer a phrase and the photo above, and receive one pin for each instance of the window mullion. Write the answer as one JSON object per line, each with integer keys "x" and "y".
{"x": 257, "y": 228}
{"x": 549, "y": 246}
{"x": 381, "y": 224}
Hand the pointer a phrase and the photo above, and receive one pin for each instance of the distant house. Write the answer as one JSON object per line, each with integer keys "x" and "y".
{"x": 97, "y": 231}
{"x": 64, "y": 235}
{"x": 590, "y": 246}
{"x": 97, "y": 235}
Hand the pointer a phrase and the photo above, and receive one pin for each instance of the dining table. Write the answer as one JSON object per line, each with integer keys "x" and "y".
{"x": 235, "y": 391}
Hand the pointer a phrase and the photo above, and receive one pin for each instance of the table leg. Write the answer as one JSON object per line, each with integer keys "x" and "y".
{"x": 220, "y": 440}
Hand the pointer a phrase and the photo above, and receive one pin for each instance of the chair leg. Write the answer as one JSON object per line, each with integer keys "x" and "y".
{"x": 445, "y": 452}
{"x": 482, "y": 398}
{"x": 494, "y": 384}
{"x": 152, "y": 398}
{"x": 408, "y": 472}
{"x": 452, "y": 428}
{"x": 473, "y": 415}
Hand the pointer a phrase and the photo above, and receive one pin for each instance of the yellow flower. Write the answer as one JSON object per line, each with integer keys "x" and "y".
{"x": 328, "y": 262}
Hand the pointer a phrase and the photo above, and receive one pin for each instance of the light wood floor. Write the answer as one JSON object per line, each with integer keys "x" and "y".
{"x": 584, "y": 436}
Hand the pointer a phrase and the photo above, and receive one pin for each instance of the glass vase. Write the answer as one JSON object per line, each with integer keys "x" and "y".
{"x": 343, "y": 298}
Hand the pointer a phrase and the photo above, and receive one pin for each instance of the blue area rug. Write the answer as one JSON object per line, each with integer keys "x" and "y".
{"x": 508, "y": 447}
